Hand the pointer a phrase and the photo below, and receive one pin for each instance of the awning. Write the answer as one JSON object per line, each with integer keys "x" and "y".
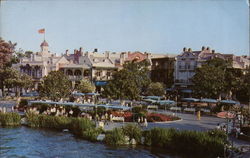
{"x": 154, "y": 97}
{"x": 166, "y": 102}
{"x": 229, "y": 102}
{"x": 78, "y": 94}
{"x": 82, "y": 105}
{"x": 186, "y": 91}
{"x": 205, "y": 100}
{"x": 91, "y": 93}
{"x": 100, "y": 83}
{"x": 190, "y": 99}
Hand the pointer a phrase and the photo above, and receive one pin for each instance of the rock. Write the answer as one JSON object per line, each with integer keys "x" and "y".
{"x": 24, "y": 121}
{"x": 142, "y": 140}
{"x": 100, "y": 137}
{"x": 65, "y": 130}
{"x": 127, "y": 140}
{"x": 133, "y": 142}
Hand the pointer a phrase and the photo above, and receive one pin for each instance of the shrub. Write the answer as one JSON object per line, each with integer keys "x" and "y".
{"x": 197, "y": 143}
{"x": 81, "y": 127}
{"x": 23, "y": 103}
{"x": 187, "y": 142}
{"x": 159, "y": 137}
{"x": 133, "y": 132}
{"x": 46, "y": 121}
{"x": 10, "y": 119}
{"x": 91, "y": 133}
{"x": 218, "y": 134}
{"x": 115, "y": 137}
{"x": 246, "y": 130}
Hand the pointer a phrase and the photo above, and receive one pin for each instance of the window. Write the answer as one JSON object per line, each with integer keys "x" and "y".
{"x": 108, "y": 74}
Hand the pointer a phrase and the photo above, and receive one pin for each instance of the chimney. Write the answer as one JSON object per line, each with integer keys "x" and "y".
{"x": 213, "y": 51}
{"x": 203, "y": 48}
{"x": 67, "y": 52}
{"x": 33, "y": 56}
{"x": 122, "y": 58}
{"x": 87, "y": 54}
{"x": 107, "y": 55}
{"x": 95, "y": 50}
{"x": 184, "y": 49}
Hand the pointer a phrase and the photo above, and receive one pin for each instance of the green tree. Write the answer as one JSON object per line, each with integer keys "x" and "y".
{"x": 28, "y": 54}
{"x": 86, "y": 86}
{"x": 11, "y": 78}
{"x": 129, "y": 82}
{"x": 247, "y": 85}
{"x": 209, "y": 80}
{"x": 55, "y": 86}
{"x": 156, "y": 89}
{"x": 233, "y": 81}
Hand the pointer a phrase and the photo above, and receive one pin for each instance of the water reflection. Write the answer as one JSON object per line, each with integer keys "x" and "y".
{"x": 36, "y": 143}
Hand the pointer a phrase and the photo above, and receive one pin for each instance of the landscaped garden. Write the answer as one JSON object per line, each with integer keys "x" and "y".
{"x": 187, "y": 142}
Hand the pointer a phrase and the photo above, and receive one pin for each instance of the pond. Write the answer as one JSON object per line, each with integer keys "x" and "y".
{"x": 35, "y": 143}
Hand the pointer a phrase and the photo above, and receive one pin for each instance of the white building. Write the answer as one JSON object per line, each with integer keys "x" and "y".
{"x": 189, "y": 60}
{"x": 39, "y": 64}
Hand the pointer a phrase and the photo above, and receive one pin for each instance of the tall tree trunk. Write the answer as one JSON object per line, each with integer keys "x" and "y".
{"x": 3, "y": 93}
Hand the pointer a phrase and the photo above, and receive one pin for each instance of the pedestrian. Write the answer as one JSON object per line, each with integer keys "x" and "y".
{"x": 218, "y": 126}
{"x": 237, "y": 131}
{"x": 145, "y": 122}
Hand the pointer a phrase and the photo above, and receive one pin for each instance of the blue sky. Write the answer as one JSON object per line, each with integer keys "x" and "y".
{"x": 140, "y": 25}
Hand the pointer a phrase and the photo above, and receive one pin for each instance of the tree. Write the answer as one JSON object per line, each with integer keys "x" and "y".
{"x": 6, "y": 50}
{"x": 86, "y": 86}
{"x": 208, "y": 81}
{"x": 7, "y": 76}
{"x": 215, "y": 77}
{"x": 233, "y": 81}
{"x": 156, "y": 89}
{"x": 129, "y": 82}
{"x": 28, "y": 54}
{"x": 55, "y": 86}
{"x": 11, "y": 78}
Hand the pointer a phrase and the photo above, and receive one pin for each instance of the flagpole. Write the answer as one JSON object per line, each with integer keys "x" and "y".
{"x": 44, "y": 35}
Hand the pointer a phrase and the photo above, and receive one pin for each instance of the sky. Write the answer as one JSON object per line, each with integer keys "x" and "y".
{"x": 156, "y": 26}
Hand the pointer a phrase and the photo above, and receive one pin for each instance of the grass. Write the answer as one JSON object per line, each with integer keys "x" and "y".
{"x": 81, "y": 127}
{"x": 10, "y": 119}
{"x": 191, "y": 143}
{"x": 187, "y": 142}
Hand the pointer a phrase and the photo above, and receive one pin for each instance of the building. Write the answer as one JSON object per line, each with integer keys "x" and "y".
{"x": 39, "y": 64}
{"x": 189, "y": 60}
{"x": 162, "y": 70}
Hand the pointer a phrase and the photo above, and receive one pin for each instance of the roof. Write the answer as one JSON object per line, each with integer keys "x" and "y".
{"x": 81, "y": 105}
{"x": 44, "y": 44}
{"x": 75, "y": 66}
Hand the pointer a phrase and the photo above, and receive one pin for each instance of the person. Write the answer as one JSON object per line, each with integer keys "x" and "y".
{"x": 237, "y": 131}
{"x": 218, "y": 126}
{"x": 145, "y": 122}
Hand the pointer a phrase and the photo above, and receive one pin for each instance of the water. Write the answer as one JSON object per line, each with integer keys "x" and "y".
{"x": 39, "y": 143}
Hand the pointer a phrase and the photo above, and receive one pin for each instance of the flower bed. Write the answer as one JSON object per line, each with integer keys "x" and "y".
{"x": 151, "y": 117}
{"x": 156, "y": 117}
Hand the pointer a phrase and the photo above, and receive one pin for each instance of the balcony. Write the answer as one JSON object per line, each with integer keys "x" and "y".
{"x": 75, "y": 78}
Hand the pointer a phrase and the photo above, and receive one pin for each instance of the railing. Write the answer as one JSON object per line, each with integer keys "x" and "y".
{"x": 75, "y": 78}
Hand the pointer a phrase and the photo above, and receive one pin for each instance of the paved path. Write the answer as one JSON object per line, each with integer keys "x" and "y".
{"x": 188, "y": 122}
